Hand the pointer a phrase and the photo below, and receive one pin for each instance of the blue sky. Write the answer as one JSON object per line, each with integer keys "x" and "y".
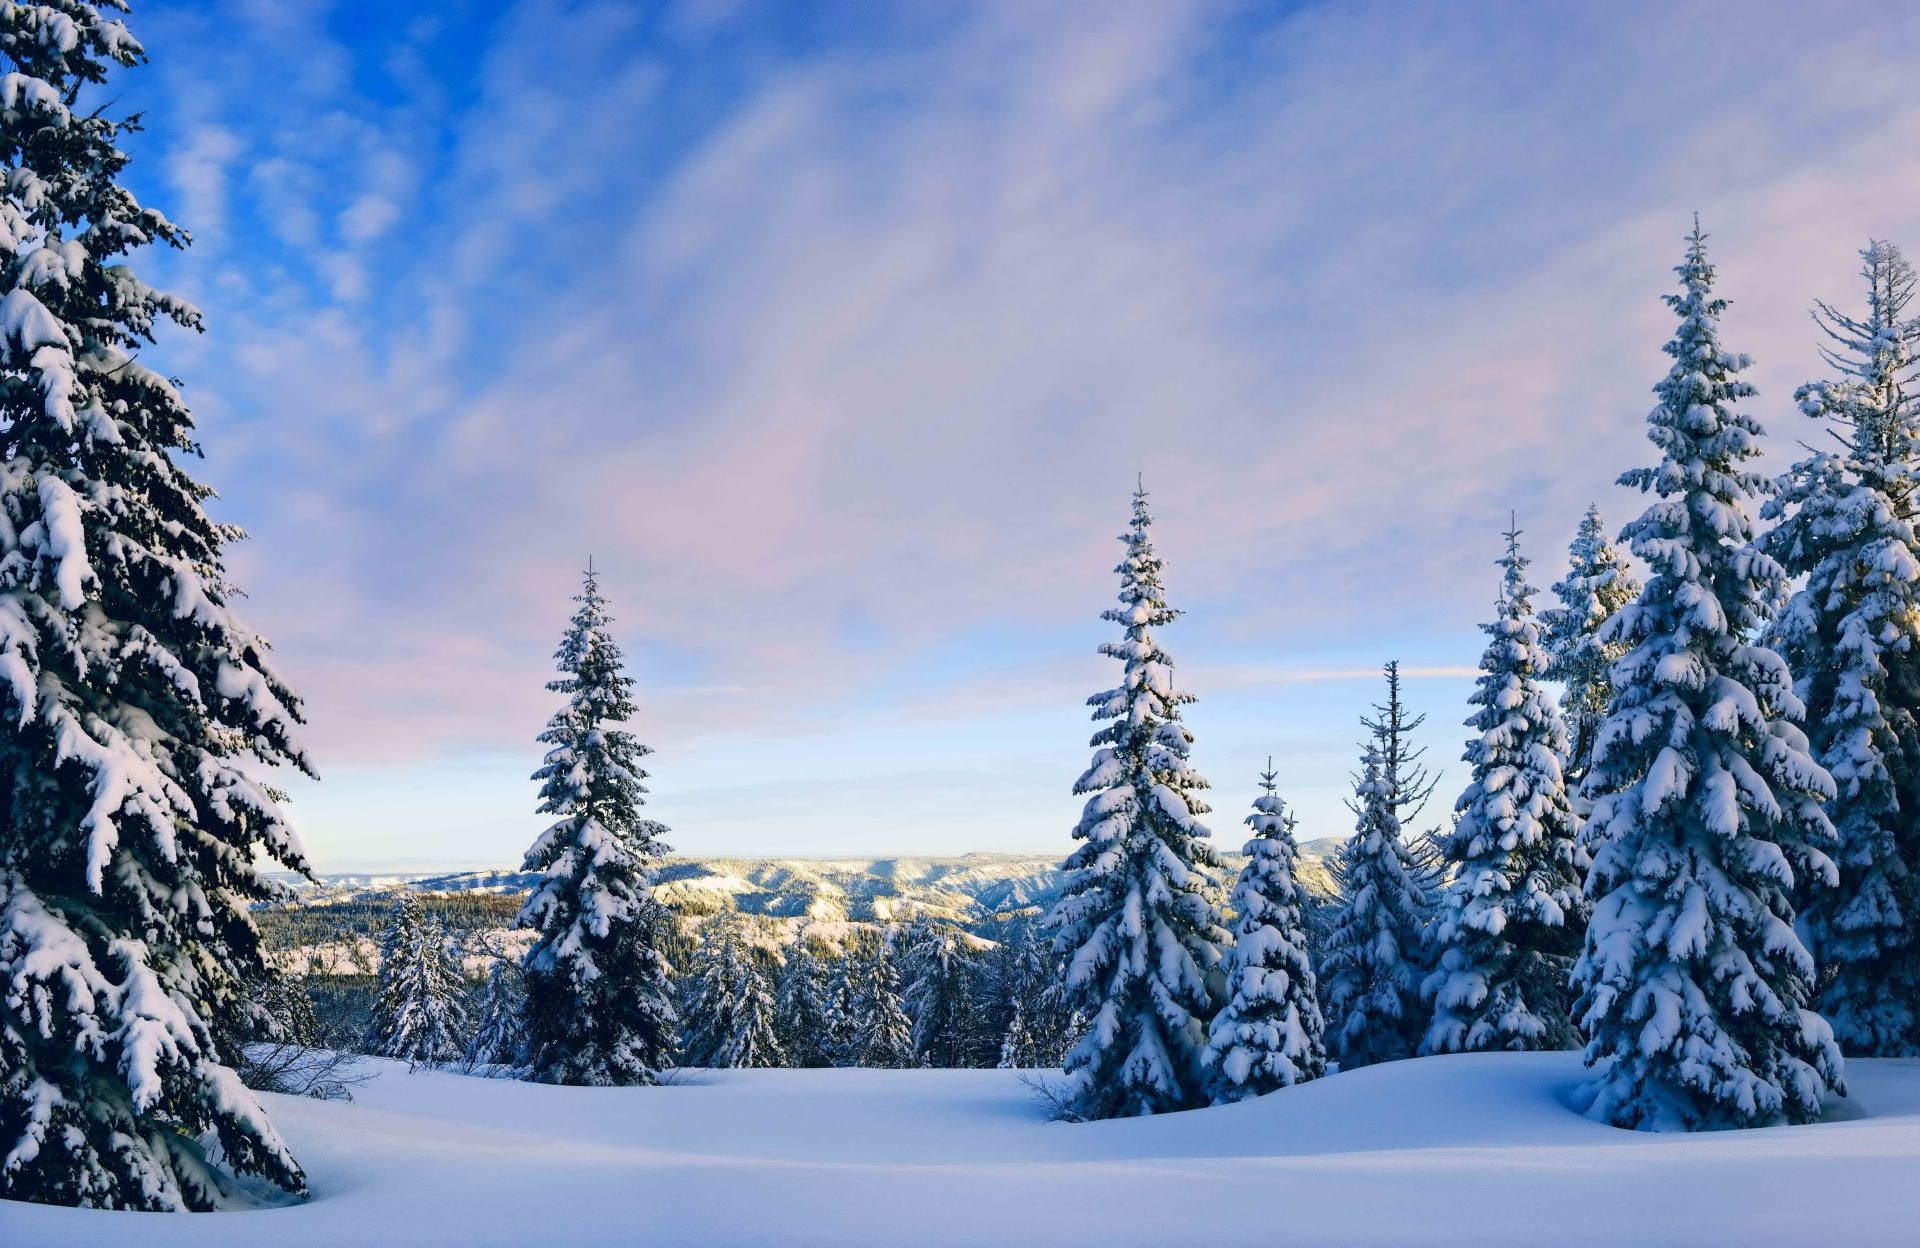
{"x": 837, "y": 333}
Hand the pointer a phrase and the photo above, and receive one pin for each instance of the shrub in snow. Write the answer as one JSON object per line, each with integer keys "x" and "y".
{"x": 802, "y": 1007}
{"x": 1597, "y": 584}
{"x": 598, "y": 1006}
{"x": 135, "y": 707}
{"x": 1269, "y": 1034}
{"x": 1511, "y": 920}
{"x": 1707, "y": 808}
{"x": 1373, "y": 961}
{"x": 940, "y": 998}
{"x": 1852, "y": 637}
{"x": 1142, "y": 938}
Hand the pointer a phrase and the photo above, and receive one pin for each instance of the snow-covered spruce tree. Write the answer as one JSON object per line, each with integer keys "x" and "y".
{"x": 1142, "y": 938}
{"x": 599, "y": 1009}
{"x": 940, "y": 998}
{"x": 1598, "y": 583}
{"x": 133, "y": 829}
{"x": 430, "y": 1014}
{"x": 399, "y": 946}
{"x": 1374, "y": 958}
{"x": 802, "y": 1006}
{"x": 1270, "y": 1033}
{"x": 499, "y": 1038}
{"x": 1706, "y": 804}
{"x": 1039, "y": 1023}
{"x": 1851, "y": 636}
{"x": 1511, "y": 921}
{"x": 883, "y": 1034}
{"x": 842, "y": 1043}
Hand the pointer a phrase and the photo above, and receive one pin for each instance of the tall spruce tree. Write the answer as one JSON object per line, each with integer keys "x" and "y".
{"x": 1142, "y": 937}
{"x": 940, "y": 998}
{"x": 1846, "y": 522}
{"x": 499, "y": 1035}
{"x": 599, "y": 1009}
{"x": 1598, "y": 583}
{"x": 1270, "y": 1033}
{"x": 802, "y": 1006}
{"x": 1039, "y": 1023}
{"x": 429, "y": 1014}
{"x": 1511, "y": 922}
{"x": 135, "y": 707}
{"x": 1707, "y": 806}
{"x": 842, "y": 1043}
{"x": 882, "y": 1032}
{"x": 399, "y": 946}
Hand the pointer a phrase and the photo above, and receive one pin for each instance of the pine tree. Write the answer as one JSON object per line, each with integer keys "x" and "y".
{"x": 499, "y": 1038}
{"x": 1852, "y": 637}
{"x": 1039, "y": 1023}
{"x": 599, "y": 1009}
{"x": 1598, "y": 583}
{"x": 730, "y": 1011}
{"x": 399, "y": 946}
{"x": 842, "y": 1045}
{"x": 802, "y": 1007}
{"x": 429, "y": 1015}
{"x": 1706, "y": 804}
{"x": 1270, "y": 1033}
{"x": 1510, "y": 925}
{"x": 136, "y": 710}
{"x": 940, "y": 999}
{"x": 1133, "y": 916}
{"x": 883, "y": 1034}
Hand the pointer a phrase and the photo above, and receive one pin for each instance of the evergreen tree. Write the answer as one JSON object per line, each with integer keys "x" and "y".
{"x": 1039, "y": 1023}
{"x": 1269, "y": 1034}
{"x": 499, "y": 1039}
{"x": 1133, "y": 916}
{"x": 399, "y": 946}
{"x": 1706, "y": 804}
{"x": 802, "y": 1007}
{"x": 940, "y": 999}
{"x": 136, "y": 709}
{"x": 1598, "y": 583}
{"x": 598, "y": 1008}
{"x": 429, "y": 1013}
{"x": 1510, "y": 925}
{"x": 730, "y": 1012}
{"x": 1372, "y": 958}
{"x": 883, "y": 1034}
{"x": 1852, "y": 637}
{"x": 842, "y": 1045}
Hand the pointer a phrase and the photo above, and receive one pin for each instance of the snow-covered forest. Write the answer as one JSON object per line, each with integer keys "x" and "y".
{"x": 1649, "y": 971}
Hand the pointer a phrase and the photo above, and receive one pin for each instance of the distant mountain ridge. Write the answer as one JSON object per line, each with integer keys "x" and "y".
{"x": 966, "y": 889}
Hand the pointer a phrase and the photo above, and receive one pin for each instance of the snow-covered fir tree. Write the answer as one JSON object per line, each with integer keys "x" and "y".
{"x": 1598, "y": 583}
{"x": 802, "y": 1006}
{"x": 136, "y": 709}
{"x": 730, "y": 1009}
{"x": 429, "y": 1014}
{"x": 1511, "y": 921}
{"x": 599, "y": 1009}
{"x": 1039, "y": 1023}
{"x": 1851, "y": 635}
{"x": 882, "y": 1032}
{"x": 1374, "y": 958}
{"x": 1707, "y": 807}
{"x": 1270, "y": 1033}
{"x": 499, "y": 1037}
{"x": 842, "y": 1042}
{"x": 940, "y": 997}
{"x": 1142, "y": 938}
{"x": 399, "y": 945}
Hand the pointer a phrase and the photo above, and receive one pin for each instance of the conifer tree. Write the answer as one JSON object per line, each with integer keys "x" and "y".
{"x": 883, "y": 1034}
{"x": 842, "y": 1044}
{"x": 136, "y": 709}
{"x": 1511, "y": 922}
{"x": 1598, "y": 583}
{"x": 1852, "y": 637}
{"x": 940, "y": 999}
{"x": 1270, "y": 1033}
{"x": 802, "y": 1007}
{"x": 730, "y": 1011}
{"x": 399, "y": 946}
{"x": 599, "y": 1009}
{"x": 429, "y": 1013}
{"x": 1707, "y": 807}
{"x": 1142, "y": 938}
{"x": 499, "y": 1039}
{"x": 1039, "y": 1024}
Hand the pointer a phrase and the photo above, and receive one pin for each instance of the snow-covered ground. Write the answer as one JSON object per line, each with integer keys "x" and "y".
{"x": 1393, "y": 1155}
